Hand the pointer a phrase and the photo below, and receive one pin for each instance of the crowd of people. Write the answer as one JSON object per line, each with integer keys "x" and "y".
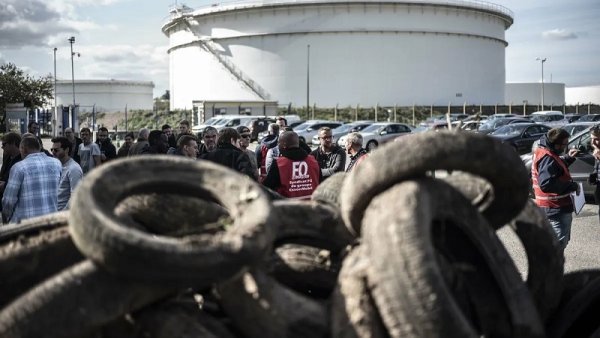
{"x": 35, "y": 181}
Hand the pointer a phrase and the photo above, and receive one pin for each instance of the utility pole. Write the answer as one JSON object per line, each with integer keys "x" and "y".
{"x": 72, "y": 41}
{"x": 542, "y": 62}
{"x": 307, "y": 79}
{"x": 55, "y": 108}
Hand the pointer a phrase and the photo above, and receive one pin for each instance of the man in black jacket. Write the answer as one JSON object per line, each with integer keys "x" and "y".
{"x": 331, "y": 157}
{"x": 107, "y": 149}
{"x": 229, "y": 154}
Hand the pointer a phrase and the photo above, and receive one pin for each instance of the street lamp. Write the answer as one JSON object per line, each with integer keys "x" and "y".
{"x": 55, "y": 108}
{"x": 307, "y": 79}
{"x": 542, "y": 62}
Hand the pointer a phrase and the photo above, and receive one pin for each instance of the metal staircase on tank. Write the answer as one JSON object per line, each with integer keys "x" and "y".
{"x": 210, "y": 46}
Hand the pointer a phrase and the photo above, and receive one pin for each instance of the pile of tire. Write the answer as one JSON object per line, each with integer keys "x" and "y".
{"x": 161, "y": 246}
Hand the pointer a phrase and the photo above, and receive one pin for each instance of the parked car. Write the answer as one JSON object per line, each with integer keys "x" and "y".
{"x": 211, "y": 121}
{"x": 492, "y": 124}
{"x": 520, "y": 136}
{"x": 584, "y": 161}
{"x": 471, "y": 125}
{"x": 258, "y": 126}
{"x": 379, "y": 133}
{"x": 550, "y": 118}
{"x": 435, "y": 126}
{"x": 344, "y": 129}
{"x": 589, "y": 118}
{"x": 308, "y": 129}
{"x": 577, "y": 127}
{"x": 572, "y": 117}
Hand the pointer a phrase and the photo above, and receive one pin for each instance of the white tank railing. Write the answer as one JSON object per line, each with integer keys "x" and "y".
{"x": 476, "y": 4}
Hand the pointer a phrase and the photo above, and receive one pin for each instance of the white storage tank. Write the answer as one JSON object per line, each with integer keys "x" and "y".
{"x": 361, "y": 52}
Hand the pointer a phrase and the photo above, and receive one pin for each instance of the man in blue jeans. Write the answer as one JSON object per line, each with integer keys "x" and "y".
{"x": 552, "y": 183}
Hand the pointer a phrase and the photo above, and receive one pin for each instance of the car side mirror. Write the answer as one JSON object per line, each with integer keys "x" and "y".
{"x": 309, "y": 129}
{"x": 383, "y": 132}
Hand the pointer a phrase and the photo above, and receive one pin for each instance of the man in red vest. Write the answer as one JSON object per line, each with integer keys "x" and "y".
{"x": 552, "y": 183}
{"x": 296, "y": 173}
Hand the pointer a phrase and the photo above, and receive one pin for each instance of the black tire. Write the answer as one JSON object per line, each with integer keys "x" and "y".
{"x": 74, "y": 302}
{"x": 578, "y": 316}
{"x": 471, "y": 152}
{"x": 353, "y": 312}
{"x": 329, "y": 190}
{"x": 261, "y": 307}
{"x": 476, "y": 189}
{"x": 169, "y": 214}
{"x": 33, "y": 225}
{"x": 544, "y": 255}
{"x": 196, "y": 260}
{"x": 318, "y": 225}
{"x": 171, "y": 319}
{"x": 372, "y": 145}
{"x": 413, "y": 293}
{"x": 308, "y": 270}
{"x": 33, "y": 256}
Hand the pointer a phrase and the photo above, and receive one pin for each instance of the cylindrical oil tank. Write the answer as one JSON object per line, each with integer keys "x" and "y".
{"x": 343, "y": 53}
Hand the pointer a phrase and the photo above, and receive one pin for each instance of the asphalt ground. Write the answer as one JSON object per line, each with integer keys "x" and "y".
{"x": 582, "y": 252}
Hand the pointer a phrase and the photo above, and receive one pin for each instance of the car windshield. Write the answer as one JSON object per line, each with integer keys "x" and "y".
{"x": 540, "y": 118}
{"x": 372, "y": 128}
{"x": 510, "y": 130}
{"x": 343, "y": 128}
{"x": 302, "y": 126}
{"x": 221, "y": 122}
{"x": 211, "y": 121}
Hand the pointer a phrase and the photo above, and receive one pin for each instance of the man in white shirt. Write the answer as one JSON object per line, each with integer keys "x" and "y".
{"x": 89, "y": 152}
{"x": 71, "y": 171}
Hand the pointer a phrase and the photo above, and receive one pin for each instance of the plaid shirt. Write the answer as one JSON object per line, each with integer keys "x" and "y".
{"x": 32, "y": 188}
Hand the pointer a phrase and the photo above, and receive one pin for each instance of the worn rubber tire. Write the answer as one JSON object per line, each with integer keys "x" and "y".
{"x": 261, "y": 307}
{"x": 308, "y": 270}
{"x": 578, "y": 316}
{"x": 476, "y": 189}
{"x": 544, "y": 255}
{"x": 353, "y": 312}
{"x": 477, "y": 154}
{"x": 169, "y": 319}
{"x": 198, "y": 260}
{"x": 33, "y": 225}
{"x": 74, "y": 302}
{"x": 329, "y": 190}
{"x": 170, "y": 214}
{"x": 38, "y": 252}
{"x": 317, "y": 224}
{"x": 408, "y": 281}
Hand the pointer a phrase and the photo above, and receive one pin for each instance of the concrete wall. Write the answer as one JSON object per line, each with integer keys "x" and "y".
{"x": 371, "y": 53}
{"x": 107, "y": 95}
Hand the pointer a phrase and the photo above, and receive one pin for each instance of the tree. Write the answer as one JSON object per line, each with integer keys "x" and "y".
{"x": 18, "y": 87}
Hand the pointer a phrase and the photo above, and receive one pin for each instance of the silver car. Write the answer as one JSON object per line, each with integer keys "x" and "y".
{"x": 344, "y": 129}
{"x": 308, "y": 129}
{"x": 380, "y": 133}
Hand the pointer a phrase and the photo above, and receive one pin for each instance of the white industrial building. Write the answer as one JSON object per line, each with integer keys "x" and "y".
{"x": 334, "y": 52}
{"x": 531, "y": 94}
{"x": 105, "y": 95}
{"x": 582, "y": 95}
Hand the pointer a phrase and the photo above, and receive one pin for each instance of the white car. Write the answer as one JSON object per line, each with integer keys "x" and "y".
{"x": 379, "y": 133}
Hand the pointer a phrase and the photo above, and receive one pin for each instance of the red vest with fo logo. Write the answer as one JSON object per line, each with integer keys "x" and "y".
{"x": 549, "y": 199}
{"x": 298, "y": 178}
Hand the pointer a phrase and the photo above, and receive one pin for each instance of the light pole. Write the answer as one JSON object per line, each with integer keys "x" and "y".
{"x": 307, "y": 79}
{"x": 542, "y": 62}
{"x": 72, "y": 41}
{"x": 55, "y": 108}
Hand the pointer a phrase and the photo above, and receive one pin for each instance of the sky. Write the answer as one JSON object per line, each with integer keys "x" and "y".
{"x": 122, "y": 39}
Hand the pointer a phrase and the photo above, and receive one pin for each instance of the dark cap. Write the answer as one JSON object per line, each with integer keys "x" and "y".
{"x": 243, "y": 129}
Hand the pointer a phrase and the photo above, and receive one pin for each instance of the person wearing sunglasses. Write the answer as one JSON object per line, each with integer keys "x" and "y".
{"x": 330, "y": 156}
{"x": 71, "y": 173}
{"x": 245, "y": 137}
{"x": 552, "y": 182}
